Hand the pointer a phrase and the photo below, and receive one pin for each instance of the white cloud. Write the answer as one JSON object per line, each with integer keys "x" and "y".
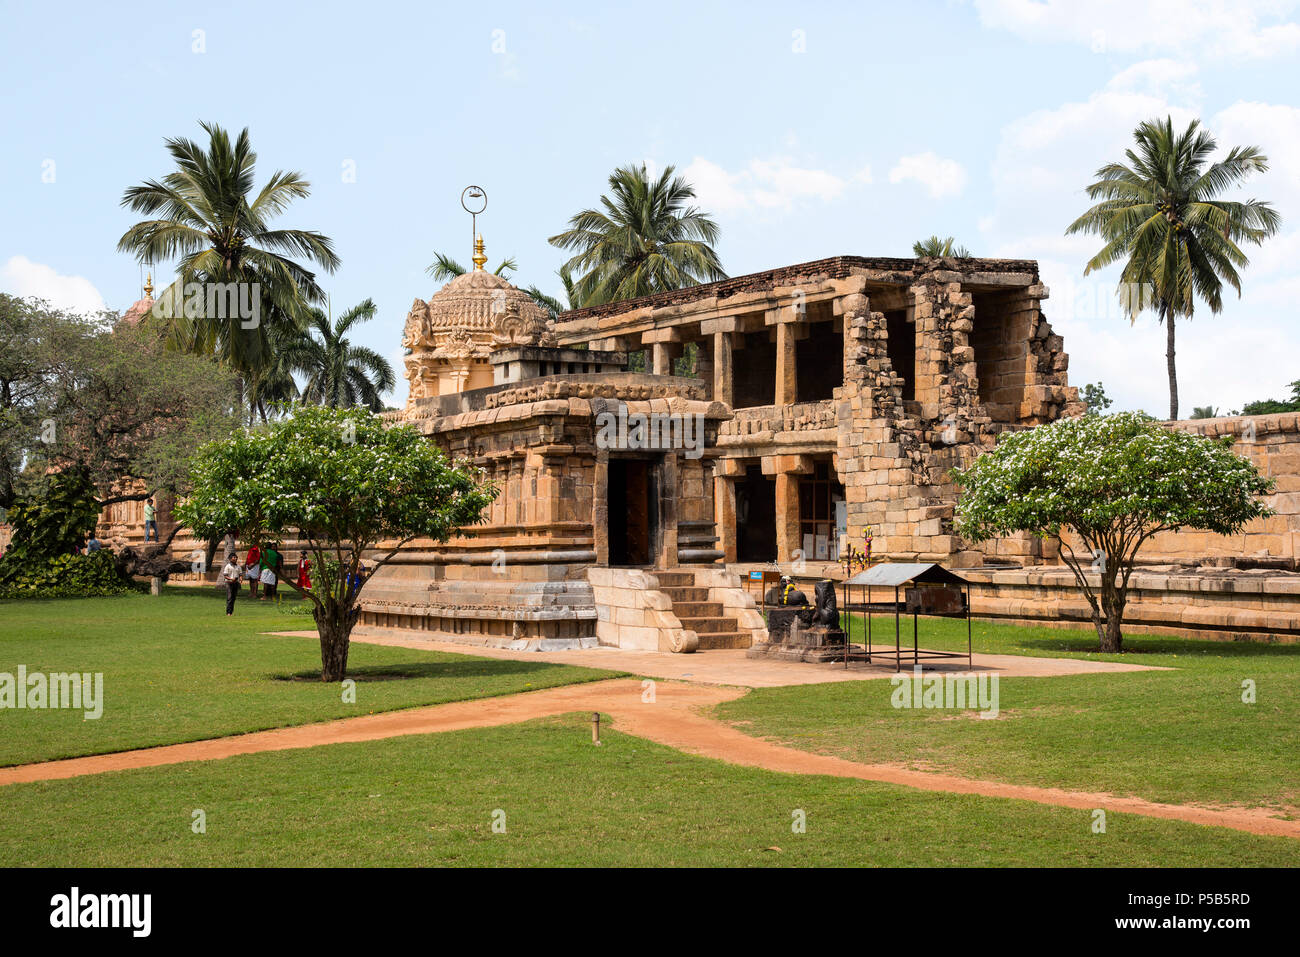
{"x": 1165, "y": 77}
{"x": 942, "y": 177}
{"x": 762, "y": 184}
{"x": 1041, "y": 166}
{"x": 21, "y": 277}
{"x": 1275, "y": 129}
{"x": 1224, "y": 28}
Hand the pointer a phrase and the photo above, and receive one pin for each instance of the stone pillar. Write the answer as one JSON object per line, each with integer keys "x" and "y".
{"x": 787, "y": 516}
{"x": 787, "y": 388}
{"x": 724, "y": 512}
{"x": 600, "y": 508}
{"x": 722, "y": 390}
{"x": 666, "y": 551}
{"x": 663, "y": 360}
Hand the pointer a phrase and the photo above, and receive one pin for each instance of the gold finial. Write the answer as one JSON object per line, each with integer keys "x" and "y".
{"x": 148, "y": 285}
{"x": 480, "y": 257}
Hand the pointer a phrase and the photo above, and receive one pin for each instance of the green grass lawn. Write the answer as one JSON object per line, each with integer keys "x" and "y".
{"x": 429, "y": 800}
{"x": 177, "y": 669}
{"x": 1177, "y": 736}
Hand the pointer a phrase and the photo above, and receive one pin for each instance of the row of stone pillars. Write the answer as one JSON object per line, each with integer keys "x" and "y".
{"x": 786, "y": 471}
{"x": 717, "y": 360}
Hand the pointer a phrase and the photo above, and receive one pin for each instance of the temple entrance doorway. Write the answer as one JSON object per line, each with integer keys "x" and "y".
{"x": 755, "y": 517}
{"x": 632, "y": 516}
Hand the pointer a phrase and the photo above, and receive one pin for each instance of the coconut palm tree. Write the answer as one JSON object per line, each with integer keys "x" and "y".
{"x": 444, "y": 267}
{"x": 550, "y": 303}
{"x": 206, "y": 214}
{"x": 270, "y": 386}
{"x": 934, "y": 246}
{"x": 644, "y": 239}
{"x": 339, "y": 373}
{"x": 1159, "y": 214}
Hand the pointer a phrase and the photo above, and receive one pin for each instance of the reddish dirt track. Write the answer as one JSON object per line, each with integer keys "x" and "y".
{"x": 674, "y": 719}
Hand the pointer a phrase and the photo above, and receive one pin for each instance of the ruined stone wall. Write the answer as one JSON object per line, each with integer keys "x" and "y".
{"x": 895, "y": 457}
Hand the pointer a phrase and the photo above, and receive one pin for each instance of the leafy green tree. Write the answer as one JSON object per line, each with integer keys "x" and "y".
{"x": 50, "y": 523}
{"x": 207, "y": 214}
{"x": 342, "y": 482}
{"x": 643, "y": 239}
{"x": 339, "y": 373}
{"x": 36, "y": 342}
{"x": 1112, "y": 482}
{"x": 1095, "y": 398}
{"x": 934, "y": 246}
{"x": 1205, "y": 412}
{"x": 1160, "y": 215}
{"x": 108, "y": 403}
{"x": 1273, "y": 406}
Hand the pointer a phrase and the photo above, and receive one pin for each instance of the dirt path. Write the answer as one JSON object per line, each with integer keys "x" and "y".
{"x": 673, "y": 719}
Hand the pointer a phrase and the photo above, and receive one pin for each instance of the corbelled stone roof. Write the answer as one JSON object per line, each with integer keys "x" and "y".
{"x": 473, "y": 300}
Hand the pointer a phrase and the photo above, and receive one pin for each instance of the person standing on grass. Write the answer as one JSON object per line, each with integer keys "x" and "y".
{"x": 230, "y": 575}
{"x": 253, "y": 564}
{"x": 150, "y": 520}
{"x": 304, "y": 572}
{"x": 270, "y": 571}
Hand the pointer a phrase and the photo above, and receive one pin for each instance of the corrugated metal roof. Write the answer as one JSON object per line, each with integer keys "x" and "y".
{"x": 893, "y": 574}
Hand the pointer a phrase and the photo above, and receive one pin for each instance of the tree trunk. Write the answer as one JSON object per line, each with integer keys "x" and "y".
{"x": 1169, "y": 360}
{"x": 1112, "y": 603}
{"x": 335, "y": 641}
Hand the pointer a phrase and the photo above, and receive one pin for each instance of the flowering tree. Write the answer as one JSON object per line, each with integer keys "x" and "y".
{"x": 344, "y": 483}
{"x": 1113, "y": 481}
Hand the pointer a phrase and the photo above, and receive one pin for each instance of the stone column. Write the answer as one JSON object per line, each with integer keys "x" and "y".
{"x": 787, "y": 388}
{"x": 666, "y": 551}
{"x": 722, "y": 390}
{"x": 600, "y": 508}
{"x": 724, "y": 512}
{"x": 663, "y": 360}
{"x": 787, "y": 516}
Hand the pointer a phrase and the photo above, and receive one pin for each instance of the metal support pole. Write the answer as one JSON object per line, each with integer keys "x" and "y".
{"x": 898, "y": 648}
{"x": 969, "y": 658}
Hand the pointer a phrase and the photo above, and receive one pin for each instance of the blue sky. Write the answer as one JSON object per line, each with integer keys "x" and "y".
{"x": 809, "y": 130}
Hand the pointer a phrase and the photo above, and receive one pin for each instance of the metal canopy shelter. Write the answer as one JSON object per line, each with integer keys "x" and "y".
{"x": 895, "y": 575}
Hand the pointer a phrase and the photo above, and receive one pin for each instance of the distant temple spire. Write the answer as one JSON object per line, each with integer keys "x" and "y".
{"x": 480, "y": 257}
{"x": 148, "y": 285}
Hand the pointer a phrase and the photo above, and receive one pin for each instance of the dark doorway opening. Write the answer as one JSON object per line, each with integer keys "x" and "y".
{"x": 900, "y": 342}
{"x": 819, "y": 362}
{"x": 753, "y": 369}
{"x": 631, "y": 511}
{"x": 755, "y": 517}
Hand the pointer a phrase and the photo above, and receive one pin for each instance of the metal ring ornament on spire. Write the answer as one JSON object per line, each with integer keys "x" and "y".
{"x": 473, "y": 192}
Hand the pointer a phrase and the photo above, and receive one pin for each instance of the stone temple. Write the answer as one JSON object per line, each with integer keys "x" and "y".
{"x": 650, "y": 453}
{"x": 825, "y": 400}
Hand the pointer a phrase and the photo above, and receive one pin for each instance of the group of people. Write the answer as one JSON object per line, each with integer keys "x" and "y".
{"x": 261, "y": 568}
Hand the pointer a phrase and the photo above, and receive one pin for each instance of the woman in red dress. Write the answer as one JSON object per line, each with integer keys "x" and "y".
{"x": 304, "y": 572}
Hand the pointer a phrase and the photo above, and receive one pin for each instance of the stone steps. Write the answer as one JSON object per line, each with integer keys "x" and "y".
{"x": 697, "y": 609}
{"x": 683, "y": 594}
{"x": 714, "y": 623}
{"x": 675, "y": 580}
{"x": 725, "y": 639}
{"x": 698, "y": 614}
